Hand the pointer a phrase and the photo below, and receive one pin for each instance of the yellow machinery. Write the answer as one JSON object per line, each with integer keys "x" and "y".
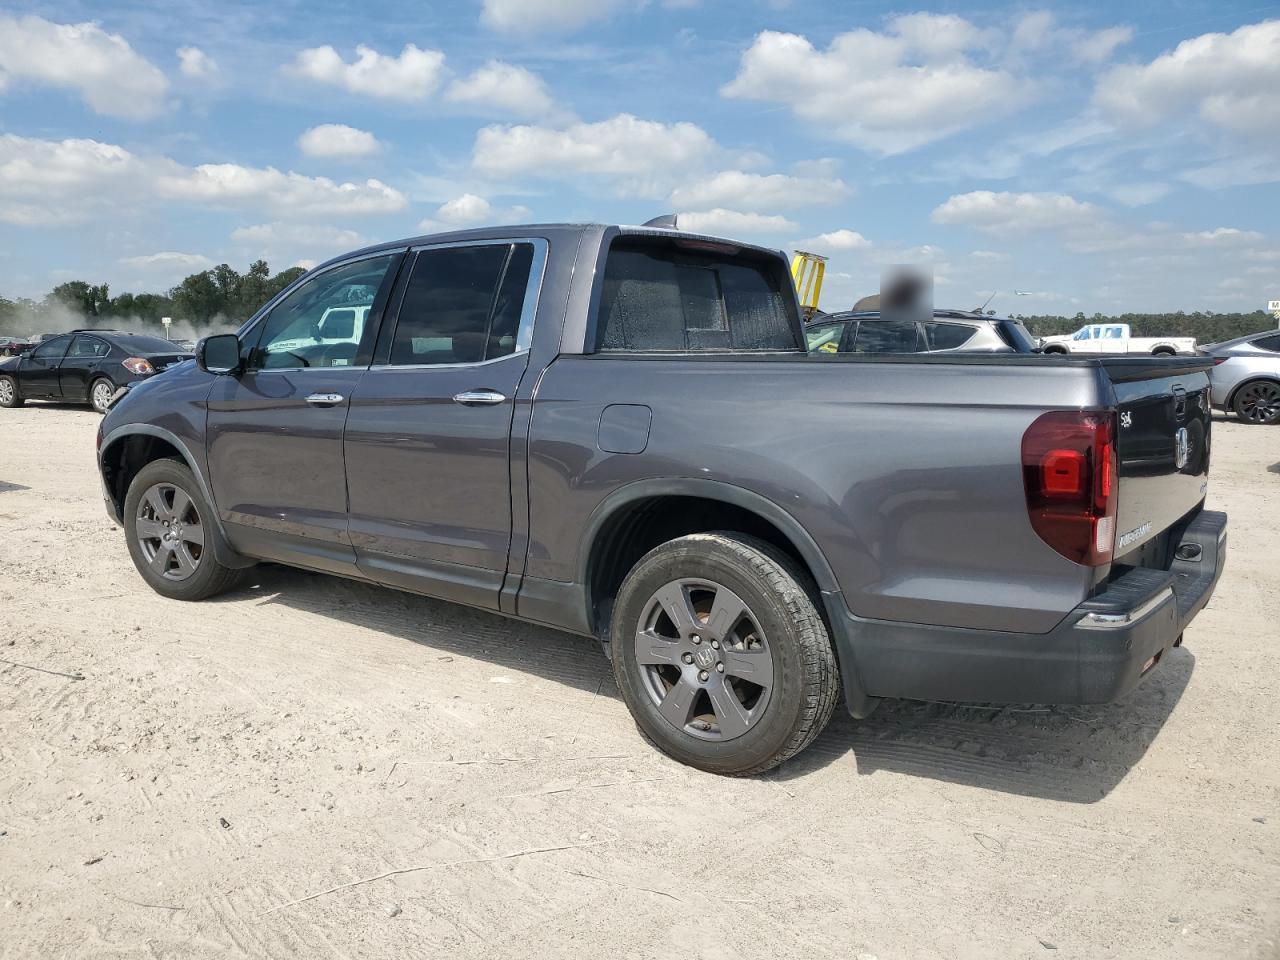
{"x": 807, "y": 270}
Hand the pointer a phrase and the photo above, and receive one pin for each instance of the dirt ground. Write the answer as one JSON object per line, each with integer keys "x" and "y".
{"x": 311, "y": 767}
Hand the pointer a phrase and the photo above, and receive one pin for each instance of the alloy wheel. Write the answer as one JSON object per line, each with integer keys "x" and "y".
{"x": 6, "y": 390}
{"x": 1260, "y": 402}
{"x": 707, "y": 666}
{"x": 102, "y": 393}
{"x": 169, "y": 531}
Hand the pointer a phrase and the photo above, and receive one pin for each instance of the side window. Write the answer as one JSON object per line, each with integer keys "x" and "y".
{"x": 658, "y": 297}
{"x": 323, "y": 323}
{"x": 462, "y": 304}
{"x": 1115, "y": 333}
{"x": 1271, "y": 343}
{"x": 945, "y": 336}
{"x": 823, "y": 337}
{"x": 885, "y": 336}
{"x": 88, "y": 347}
{"x": 52, "y": 349}
{"x": 1084, "y": 334}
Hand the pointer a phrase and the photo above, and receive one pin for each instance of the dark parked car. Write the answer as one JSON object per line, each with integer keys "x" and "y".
{"x": 868, "y": 332}
{"x": 12, "y": 346}
{"x": 84, "y": 366}
{"x": 617, "y": 431}
{"x": 1246, "y": 377}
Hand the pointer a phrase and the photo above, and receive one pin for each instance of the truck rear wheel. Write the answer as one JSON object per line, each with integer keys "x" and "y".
{"x": 721, "y": 654}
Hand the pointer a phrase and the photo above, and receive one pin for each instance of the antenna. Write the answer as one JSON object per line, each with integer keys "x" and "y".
{"x": 988, "y": 300}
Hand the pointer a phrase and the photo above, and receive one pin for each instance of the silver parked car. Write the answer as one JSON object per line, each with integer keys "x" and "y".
{"x": 1246, "y": 376}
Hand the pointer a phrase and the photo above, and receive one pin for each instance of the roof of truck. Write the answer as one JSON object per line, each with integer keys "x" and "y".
{"x": 506, "y": 231}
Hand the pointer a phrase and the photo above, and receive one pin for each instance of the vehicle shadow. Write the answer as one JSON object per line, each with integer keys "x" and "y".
{"x": 1074, "y": 754}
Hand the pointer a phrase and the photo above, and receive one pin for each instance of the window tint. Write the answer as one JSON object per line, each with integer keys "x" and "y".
{"x": 945, "y": 336}
{"x": 885, "y": 336}
{"x": 52, "y": 349}
{"x": 324, "y": 321}
{"x": 824, "y": 337}
{"x": 88, "y": 347}
{"x": 1271, "y": 343}
{"x": 463, "y": 304}
{"x": 659, "y": 298}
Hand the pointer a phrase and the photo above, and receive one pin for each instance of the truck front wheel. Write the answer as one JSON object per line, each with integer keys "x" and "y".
{"x": 721, "y": 654}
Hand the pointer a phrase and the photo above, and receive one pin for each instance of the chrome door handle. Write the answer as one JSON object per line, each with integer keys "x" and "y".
{"x": 325, "y": 399}
{"x": 478, "y": 398}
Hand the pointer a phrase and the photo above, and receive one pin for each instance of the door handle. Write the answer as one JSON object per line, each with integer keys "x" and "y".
{"x": 325, "y": 399}
{"x": 478, "y": 398}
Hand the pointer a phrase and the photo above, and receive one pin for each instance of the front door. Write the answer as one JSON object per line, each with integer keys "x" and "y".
{"x": 428, "y": 436}
{"x": 274, "y": 431}
{"x": 39, "y": 371}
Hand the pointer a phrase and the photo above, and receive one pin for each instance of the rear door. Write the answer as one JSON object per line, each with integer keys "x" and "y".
{"x": 39, "y": 371}
{"x": 274, "y": 432}
{"x": 887, "y": 336}
{"x": 81, "y": 361}
{"x": 428, "y": 436}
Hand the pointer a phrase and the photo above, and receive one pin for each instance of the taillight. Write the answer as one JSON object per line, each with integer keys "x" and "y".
{"x": 138, "y": 365}
{"x": 1069, "y": 472}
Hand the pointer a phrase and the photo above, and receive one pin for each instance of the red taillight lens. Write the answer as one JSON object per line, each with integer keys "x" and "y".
{"x": 139, "y": 365}
{"x": 1069, "y": 472}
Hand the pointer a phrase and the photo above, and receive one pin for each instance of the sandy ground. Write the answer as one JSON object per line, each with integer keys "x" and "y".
{"x": 311, "y": 767}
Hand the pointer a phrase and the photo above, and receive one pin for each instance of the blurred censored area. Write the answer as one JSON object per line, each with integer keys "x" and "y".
{"x": 906, "y": 294}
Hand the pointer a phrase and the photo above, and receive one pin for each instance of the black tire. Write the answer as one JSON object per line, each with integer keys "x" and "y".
{"x": 162, "y": 562}
{"x": 780, "y": 619}
{"x": 101, "y": 391}
{"x": 1258, "y": 402}
{"x": 9, "y": 393}
{"x": 1164, "y": 352}
{"x": 1054, "y": 350}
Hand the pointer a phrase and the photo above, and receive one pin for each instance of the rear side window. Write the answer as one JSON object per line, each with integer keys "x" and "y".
{"x": 885, "y": 336}
{"x": 824, "y": 337}
{"x": 945, "y": 336}
{"x": 462, "y": 304}
{"x": 1271, "y": 343}
{"x": 88, "y": 347}
{"x": 657, "y": 298}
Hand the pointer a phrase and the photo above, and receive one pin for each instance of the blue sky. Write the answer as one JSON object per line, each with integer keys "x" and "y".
{"x": 1094, "y": 157}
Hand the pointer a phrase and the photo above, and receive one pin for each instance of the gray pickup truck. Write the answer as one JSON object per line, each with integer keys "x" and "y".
{"x": 617, "y": 431}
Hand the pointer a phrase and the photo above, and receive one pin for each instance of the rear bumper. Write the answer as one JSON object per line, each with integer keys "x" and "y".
{"x": 1097, "y": 654}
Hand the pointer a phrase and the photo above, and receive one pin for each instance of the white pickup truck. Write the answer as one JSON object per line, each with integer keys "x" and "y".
{"x": 1115, "y": 338}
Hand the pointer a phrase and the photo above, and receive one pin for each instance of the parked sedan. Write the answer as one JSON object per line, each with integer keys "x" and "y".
{"x": 1246, "y": 377}
{"x": 949, "y": 330}
{"x": 84, "y": 366}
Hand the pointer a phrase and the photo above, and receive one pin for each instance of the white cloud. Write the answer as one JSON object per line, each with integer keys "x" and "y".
{"x": 267, "y": 234}
{"x": 338, "y": 140}
{"x": 232, "y": 184}
{"x": 110, "y": 76}
{"x": 883, "y": 92}
{"x": 1007, "y": 212}
{"x": 413, "y": 75}
{"x": 61, "y": 181}
{"x": 721, "y": 222}
{"x": 1220, "y": 236}
{"x": 622, "y": 146}
{"x": 837, "y": 240}
{"x": 1038, "y": 34}
{"x": 1228, "y": 80}
{"x": 530, "y": 16}
{"x": 504, "y": 87}
{"x": 754, "y": 191}
{"x": 169, "y": 260}
{"x": 471, "y": 210}
{"x": 196, "y": 64}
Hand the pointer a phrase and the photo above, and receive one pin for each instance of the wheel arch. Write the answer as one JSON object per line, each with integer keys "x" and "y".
{"x": 635, "y": 518}
{"x": 129, "y": 448}
{"x": 1255, "y": 378}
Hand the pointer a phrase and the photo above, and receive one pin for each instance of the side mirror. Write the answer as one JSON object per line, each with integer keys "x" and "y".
{"x": 219, "y": 354}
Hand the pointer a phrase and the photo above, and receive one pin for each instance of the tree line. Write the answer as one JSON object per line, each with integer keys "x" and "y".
{"x": 219, "y": 295}
{"x": 1206, "y": 327}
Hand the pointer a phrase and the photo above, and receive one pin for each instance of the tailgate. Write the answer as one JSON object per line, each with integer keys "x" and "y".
{"x": 1162, "y": 447}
